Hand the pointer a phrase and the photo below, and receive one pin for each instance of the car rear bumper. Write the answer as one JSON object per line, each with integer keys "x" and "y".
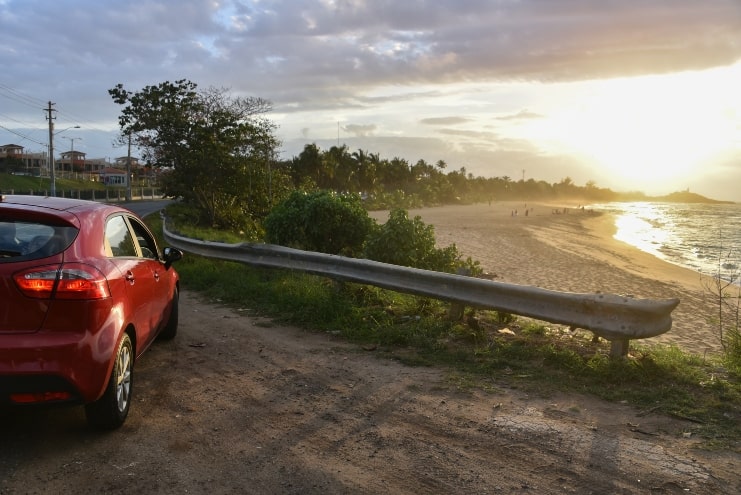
{"x": 66, "y": 367}
{"x": 36, "y": 389}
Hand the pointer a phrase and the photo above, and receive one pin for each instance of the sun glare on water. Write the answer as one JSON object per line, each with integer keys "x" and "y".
{"x": 639, "y": 229}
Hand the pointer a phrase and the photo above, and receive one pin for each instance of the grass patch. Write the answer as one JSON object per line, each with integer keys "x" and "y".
{"x": 530, "y": 355}
{"x": 23, "y": 184}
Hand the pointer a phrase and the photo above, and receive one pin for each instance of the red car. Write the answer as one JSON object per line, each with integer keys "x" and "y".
{"x": 84, "y": 291}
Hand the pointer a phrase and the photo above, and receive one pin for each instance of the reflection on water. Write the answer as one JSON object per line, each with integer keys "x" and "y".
{"x": 643, "y": 227}
{"x": 703, "y": 237}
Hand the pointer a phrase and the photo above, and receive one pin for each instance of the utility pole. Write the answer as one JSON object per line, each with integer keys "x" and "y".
{"x": 128, "y": 172}
{"x": 51, "y": 118}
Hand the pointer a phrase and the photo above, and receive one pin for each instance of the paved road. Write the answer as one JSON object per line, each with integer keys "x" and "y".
{"x": 144, "y": 208}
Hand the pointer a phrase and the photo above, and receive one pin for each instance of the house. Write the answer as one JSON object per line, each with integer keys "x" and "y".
{"x": 140, "y": 174}
{"x": 122, "y": 160}
{"x": 71, "y": 161}
{"x": 14, "y": 159}
{"x": 114, "y": 177}
{"x": 75, "y": 164}
{"x": 11, "y": 150}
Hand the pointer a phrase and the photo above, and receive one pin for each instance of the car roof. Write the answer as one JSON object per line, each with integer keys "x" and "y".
{"x": 63, "y": 208}
{"x": 53, "y": 203}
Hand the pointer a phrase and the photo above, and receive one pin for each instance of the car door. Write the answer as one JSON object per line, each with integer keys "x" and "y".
{"x": 139, "y": 276}
{"x": 149, "y": 254}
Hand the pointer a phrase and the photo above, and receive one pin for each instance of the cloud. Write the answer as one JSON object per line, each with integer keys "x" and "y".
{"x": 444, "y": 120}
{"x": 304, "y": 50}
{"x": 359, "y": 130}
{"x": 521, "y": 115}
{"x": 270, "y": 45}
{"x": 370, "y": 43}
{"x": 470, "y": 134}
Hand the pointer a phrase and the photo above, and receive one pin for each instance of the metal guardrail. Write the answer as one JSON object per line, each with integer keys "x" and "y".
{"x": 615, "y": 318}
{"x": 109, "y": 194}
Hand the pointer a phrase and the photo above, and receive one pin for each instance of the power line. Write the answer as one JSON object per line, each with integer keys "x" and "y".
{"x": 15, "y": 95}
{"x": 7, "y": 117}
{"x": 29, "y": 129}
{"x": 19, "y": 97}
{"x": 89, "y": 125}
{"x": 22, "y": 136}
{"x": 12, "y": 94}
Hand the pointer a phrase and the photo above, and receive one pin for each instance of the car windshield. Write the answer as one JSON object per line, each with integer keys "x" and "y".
{"x": 32, "y": 240}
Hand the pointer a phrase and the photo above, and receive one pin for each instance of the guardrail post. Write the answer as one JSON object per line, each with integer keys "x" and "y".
{"x": 455, "y": 313}
{"x": 619, "y": 348}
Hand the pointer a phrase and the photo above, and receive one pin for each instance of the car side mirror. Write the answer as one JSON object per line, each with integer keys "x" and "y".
{"x": 171, "y": 255}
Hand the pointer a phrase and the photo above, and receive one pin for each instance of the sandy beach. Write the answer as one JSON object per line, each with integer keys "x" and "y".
{"x": 573, "y": 252}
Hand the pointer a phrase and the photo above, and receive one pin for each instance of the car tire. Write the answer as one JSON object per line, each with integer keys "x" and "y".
{"x": 110, "y": 411}
{"x": 170, "y": 329}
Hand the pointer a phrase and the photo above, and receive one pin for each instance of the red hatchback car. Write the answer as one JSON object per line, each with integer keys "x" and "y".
{"x": 84, "y": 291}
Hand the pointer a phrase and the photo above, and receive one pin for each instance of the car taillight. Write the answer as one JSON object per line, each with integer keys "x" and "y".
{"x": 67, "y": 281}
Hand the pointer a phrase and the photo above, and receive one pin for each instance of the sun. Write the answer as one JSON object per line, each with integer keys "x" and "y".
{"x": 653, "y": 130}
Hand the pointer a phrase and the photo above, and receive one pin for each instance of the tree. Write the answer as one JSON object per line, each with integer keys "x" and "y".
{"x": 566, "y": 188}
{"x": 366, "y": 165}
{"x": 306, "y": 168}
{"x": 219, "y": 148}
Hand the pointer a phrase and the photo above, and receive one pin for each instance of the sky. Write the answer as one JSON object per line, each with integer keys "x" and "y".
{"x": 634, "y": 95}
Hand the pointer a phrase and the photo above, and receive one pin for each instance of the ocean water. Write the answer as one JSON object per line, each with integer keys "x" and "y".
{"x": 703, "y": 237}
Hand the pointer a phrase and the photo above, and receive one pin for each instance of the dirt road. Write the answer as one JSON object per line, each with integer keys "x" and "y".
{"x": 237, "y": 405}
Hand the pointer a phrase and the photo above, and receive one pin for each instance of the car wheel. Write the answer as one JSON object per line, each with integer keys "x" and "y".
{"x": 171, "y": 327}
{"x": 110, "y": 411}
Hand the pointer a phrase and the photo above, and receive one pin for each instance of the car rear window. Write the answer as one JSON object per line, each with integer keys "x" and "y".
{"x": 33, "y": 240}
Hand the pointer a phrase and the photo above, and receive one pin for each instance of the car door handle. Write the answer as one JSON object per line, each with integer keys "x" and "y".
{"x": 157, "y": 276}
{"x": 130, "y": 277}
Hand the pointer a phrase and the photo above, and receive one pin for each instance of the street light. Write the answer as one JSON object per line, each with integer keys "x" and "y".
{"x": 51, "y": 154}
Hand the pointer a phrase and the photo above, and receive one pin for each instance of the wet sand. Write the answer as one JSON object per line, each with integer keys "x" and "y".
{"x": 573, "y": 252}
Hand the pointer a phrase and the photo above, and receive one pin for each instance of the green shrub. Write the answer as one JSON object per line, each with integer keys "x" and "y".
{"x": 320, "y": 221}
{"x": 410, "y": 242}
{"x": 190, "y": 221}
